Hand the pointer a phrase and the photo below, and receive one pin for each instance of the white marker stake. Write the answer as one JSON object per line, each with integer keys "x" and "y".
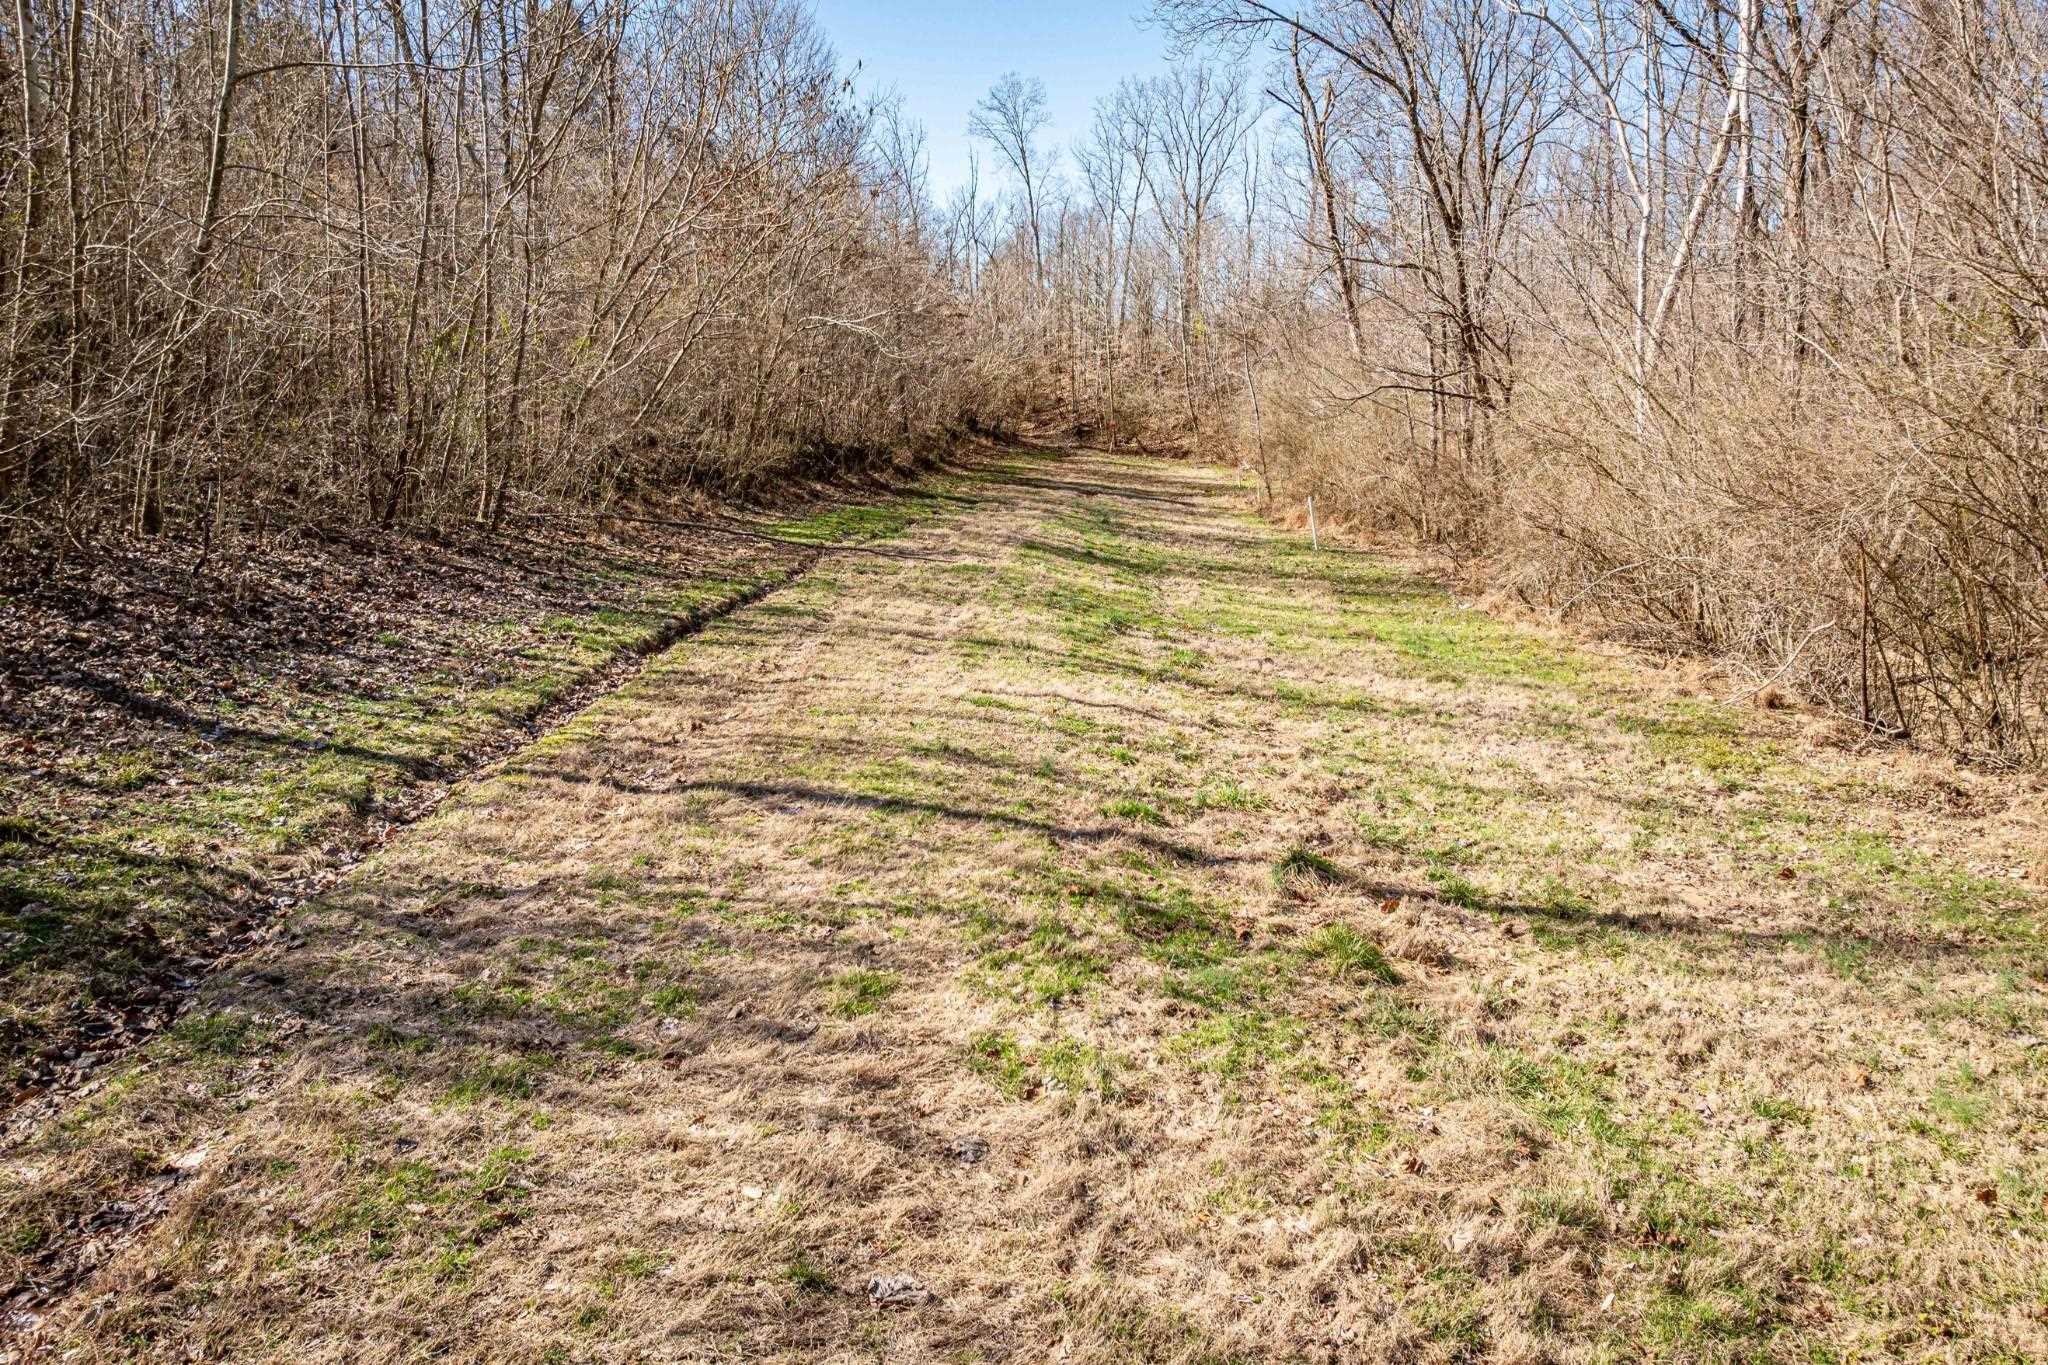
{"x": 1315, "y": 541}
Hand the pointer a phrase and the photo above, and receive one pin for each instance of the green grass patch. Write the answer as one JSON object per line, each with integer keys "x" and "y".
{"x": 510, "y": 1079}
{"x": 1229, "y": 796}
{"x": 1449, "y": 644}
{"x": 1134, "y": 810}
{"x": 806, "y": 1277}
{"x": 860, "y": 992}
{"x": 1051, "y": 967}
{"x": 1020, "y": 1072}
{"x": 859, "y": 523}
{"x": 1238, "y": 1043}
{"x": 1457, "y": 889}
{"x": 1351, "y": 955}
{"x": 1705, "y": 737}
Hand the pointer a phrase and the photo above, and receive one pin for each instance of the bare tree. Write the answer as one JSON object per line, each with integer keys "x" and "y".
{"x": 1198, "y": 119}
{"x": 1314, "y": 106}
{"x": 1010, "y": 118}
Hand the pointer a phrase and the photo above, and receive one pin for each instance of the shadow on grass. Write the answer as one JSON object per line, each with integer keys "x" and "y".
{"x": 156, "y": 709}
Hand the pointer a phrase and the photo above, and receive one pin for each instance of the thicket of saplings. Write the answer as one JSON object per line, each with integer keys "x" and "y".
{"x": 426, "y": 262}
{"x": 1720, "y": 321}
{"x": 1717, "y": 320}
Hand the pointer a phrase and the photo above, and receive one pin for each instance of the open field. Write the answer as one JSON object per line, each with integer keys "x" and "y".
{"x": 1090, "y": 925}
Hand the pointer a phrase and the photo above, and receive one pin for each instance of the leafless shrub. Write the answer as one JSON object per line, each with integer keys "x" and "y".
{"x": 419, "y": 262}
{"x": 1756, "y": 303}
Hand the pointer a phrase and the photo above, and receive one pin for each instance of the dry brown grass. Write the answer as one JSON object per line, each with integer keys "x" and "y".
{"x": 1080, "y": 829}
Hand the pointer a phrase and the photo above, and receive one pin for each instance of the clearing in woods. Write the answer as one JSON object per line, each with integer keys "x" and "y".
{"x": 1091, "y": 925}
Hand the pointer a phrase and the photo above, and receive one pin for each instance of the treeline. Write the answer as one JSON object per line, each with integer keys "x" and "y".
{"x": 403, "y": 262}
{"x": 1724, "y": 322}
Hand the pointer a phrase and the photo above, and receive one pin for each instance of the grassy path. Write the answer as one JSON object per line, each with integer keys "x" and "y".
{"x": 1132, "y": 937}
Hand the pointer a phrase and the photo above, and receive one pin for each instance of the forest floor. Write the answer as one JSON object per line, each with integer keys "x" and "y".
{"x": 1092, "y": 925}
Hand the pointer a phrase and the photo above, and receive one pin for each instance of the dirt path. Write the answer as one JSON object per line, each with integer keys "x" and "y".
{"x": 1102, "y": 929}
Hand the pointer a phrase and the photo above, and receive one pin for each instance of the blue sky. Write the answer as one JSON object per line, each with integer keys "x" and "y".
{"x": 944, "y": 56}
